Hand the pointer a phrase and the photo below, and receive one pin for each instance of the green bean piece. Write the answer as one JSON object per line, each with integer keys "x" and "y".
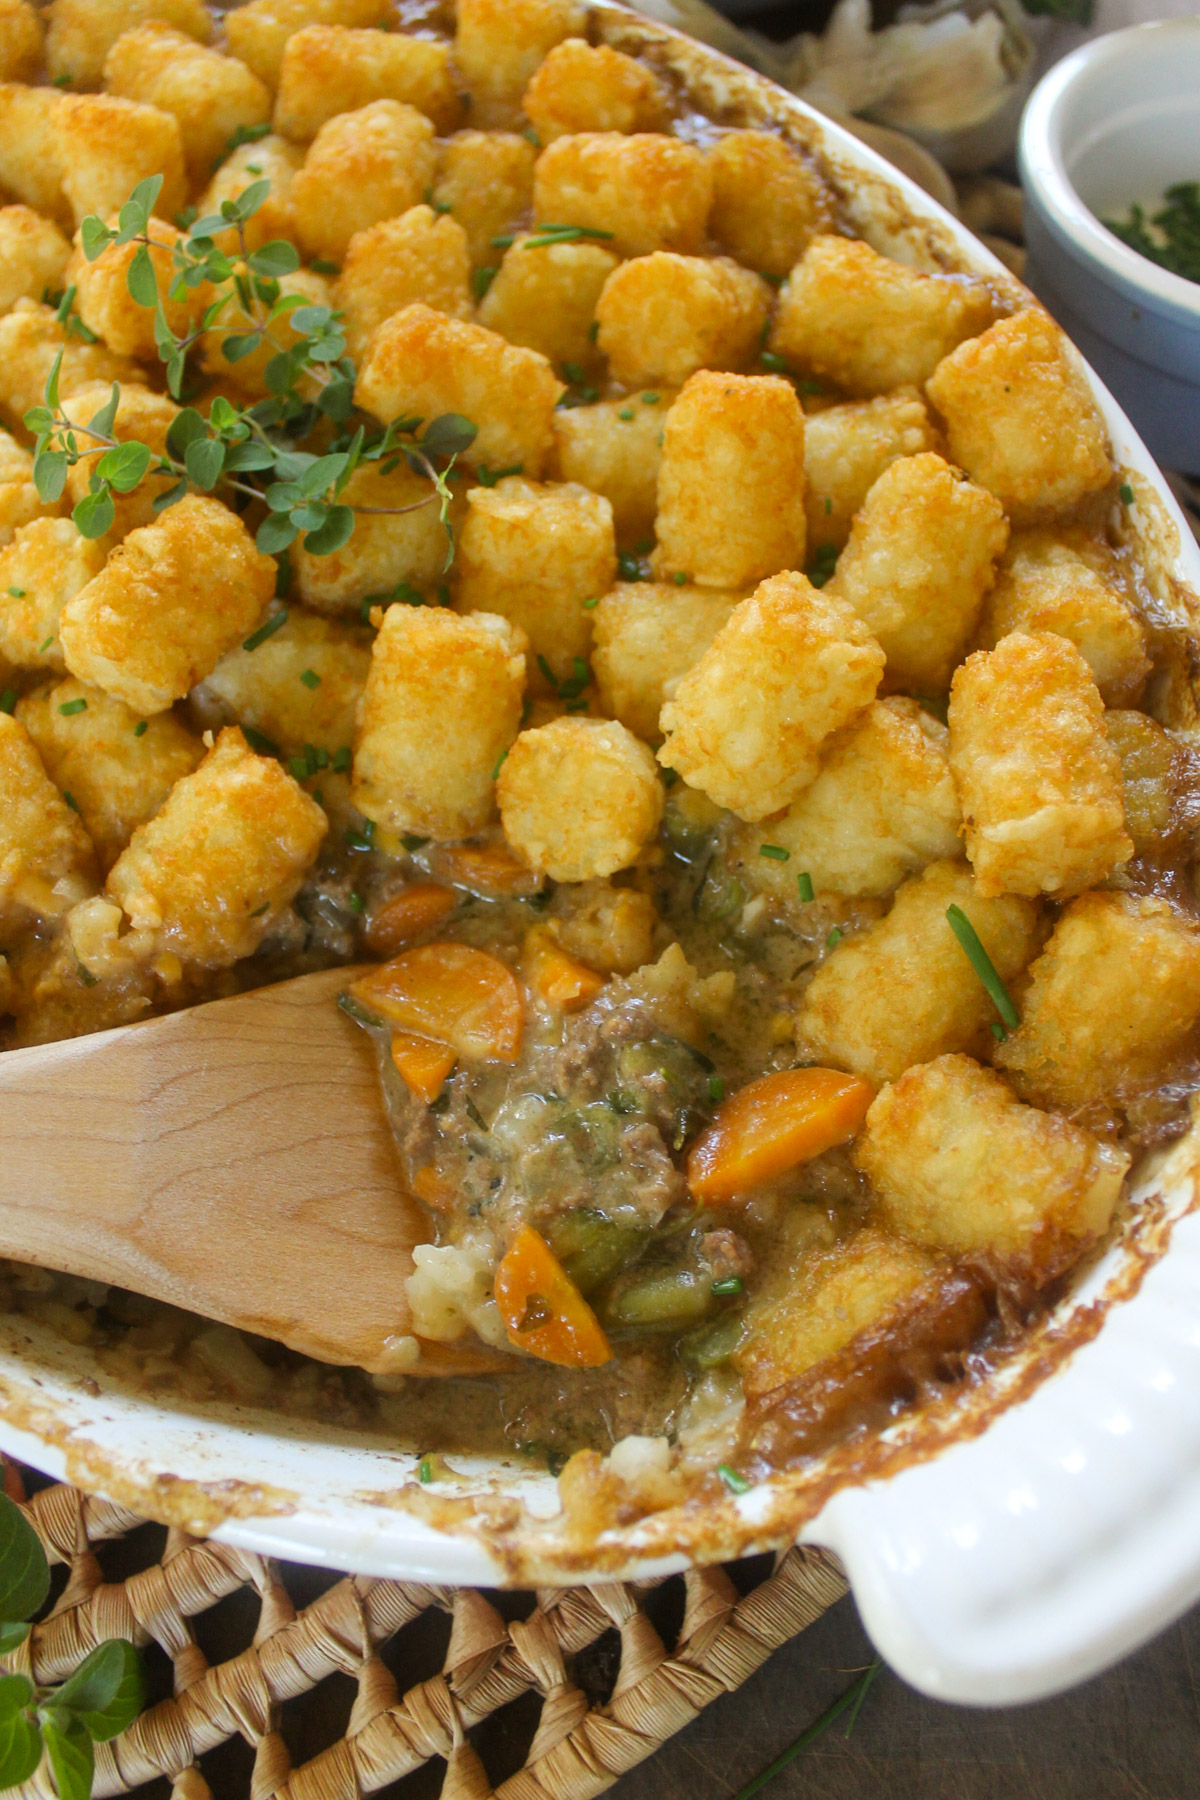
{"x": 659, "y": 1300}
{"x": 593, "y": 1248}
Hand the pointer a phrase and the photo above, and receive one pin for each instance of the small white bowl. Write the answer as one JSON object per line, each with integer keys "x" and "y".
{"x": 1119, "y": 121}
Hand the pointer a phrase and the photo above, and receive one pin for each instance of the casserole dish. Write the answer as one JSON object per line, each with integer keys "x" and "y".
{"x": 902, "y": 1512}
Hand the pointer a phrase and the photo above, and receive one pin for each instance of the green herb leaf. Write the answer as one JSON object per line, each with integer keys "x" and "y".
{"x": 20, "y": 1750}
{"x": 161, "y": 502}
{"x": 94, "y": 514}
{"x": 275, "y": 534}
{"x": 823, "y": 565}
{"x": 275, "y": 259}
{"x": 106, "y": 1691}
{"x": 94, "y": 236}
{"x": 140, "y": 278}
{"x": 138, "y": 210}
{"x": 835, "y": 937}
{"x": 102, "y": 422}
{"x": 12, "y": 1636}
{"x": 8, "y": 700}
{"x": 70, "y": 707}
{"x": 310, "y": 678}
{"x": 16, "y": 1691}
{"x": 124, "y": 466}
{"x": 448, "y": 435}
{"x": 1126, "y": 494}
{"x": 804, "y": 883}
{"x": 245, "y": 458}
{"x": 72, "y": 1759}
{"x": 731, "y": 1284}
{"x": 737, "y": 1484}
{"x": 258, "y": 740}
{"x": 51, "y": 394}
{"x": 24, "y": 1571}
{"x": 141, "y": 728}
{"x": 775, "y": 852}
{"x": 983, "y": 965}
{"x": 204, "y": 459}
{"x": 334, "y": 531}
{"x": 240, "y": 344}
{"x": 481, "y": 280}
{"x": 185, "y": 428}
{"x": 342, "y": 760}
{"x": 320, "y": 265}
{"x": 244, "y": 134}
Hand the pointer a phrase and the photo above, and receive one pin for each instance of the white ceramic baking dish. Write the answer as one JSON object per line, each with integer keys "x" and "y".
{"x": 1001, "y": 1547}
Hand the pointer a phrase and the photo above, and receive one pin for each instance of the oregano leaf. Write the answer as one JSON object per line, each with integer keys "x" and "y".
{"x": 95, "y": 236}
{"x": 275, "y": 534}
{"x": 204, "y": 459}
{"x": 124, "y": 466}
{"x": 161, "y": 502}
{"x": 140, "y": 278}
{"x": 16, "y": 1691}
{"x": 281, "y": 496}
{"x": 336, "y": 530}
{"x": 322, "y": 473}
{"x": 72, "y": 1759}
{"x": 448, "y": 435}
{"x": 24, "y": 1571}
{"x": 244, "y": 458}
{"x": 274, "y": 259}
{"x": 39, "y": 420}
{"x": 309, "y": 515}
{"x": 50, "y": 476}
{"x": 106, "y": 1691}
{"x": 94, "y": 514}
{"x": 241, "y": 344}
{"x": 12, "y": 1636}
{"x": 20, "y": 1750}
{"x": 336, "y": 399}
{"x": 184, "y": 429}
{"x": 51, "y": 394}
{"x": 102, "y": 422}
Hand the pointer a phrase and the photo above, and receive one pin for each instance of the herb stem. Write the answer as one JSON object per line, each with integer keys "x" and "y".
{"x": 850, "y": 1701}
{"x": 983, "y": 965}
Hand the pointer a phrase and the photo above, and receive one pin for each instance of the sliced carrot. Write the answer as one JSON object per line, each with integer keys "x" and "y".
{"x": 422, "y": 1064}
{"x": 406, "y": 915}
{"x": 488, "y": 869}
{"x": 771, "y": 1125}
{"x": 543, "y": 1311}
{"x": 433, "y": 1188}
{"x": 452, "y": 993}
{"x": 558, "y": 978}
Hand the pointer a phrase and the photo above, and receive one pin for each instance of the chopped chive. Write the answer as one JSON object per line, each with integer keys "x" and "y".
{"x": 503, "y": 241}
{"x": 318, "y": 796}
{"x": 8, "y": 699}
{"x": 776, "y": 364}
{"x": 17, "y": 593}
{"x": 983, "y": 965}
{"x": 669, "y": 777}
{"x": 998, "y": 1032}
{"x": 659, "y": 440}
{"x": 425, "y": 1470}
{"x": 531, "y": 137}
{"x": 355, "y": 902}
{"x": 482, "y": 279}
{"x": 651, "y": 399}
{"x": 256, "y": 169}
{"x": 361, "y": 840}
{"x": 806, "y": 385}
{"x": 342, "y": 760}
{"x": 625, "y": 414}
{"x": 45, "y": 645}
{"x": 71, "y": 800}
{"x": 70, "y": 707}
{"x": 258, "y": 740}
{"x": 822, "y": 565}
{"x": 476, "y": 1117}
{"x": 628, "y": 567}
{"x": 835, "y": 937}
{"x": 850, "y": 1701}
{"x": 500, "y": 762}
{"x": 732, "y": 1284}
{"x": 268, "y": 629}
{"x": 681, "y": 578}
{"x": 775, "y": 280}
{"x": 804, "y": 883}
{"x": 298, "y": 766}
{"x": 574, "y": 372}
{"x": 141, "y": 728}
{"x": 716, "y": 1087}
{"x": 643, "y": 547}
{"x": 593, "y": 602}
{"x": 736, "y": 1483}
{"x": 310, "y": 678}
{"x": 411, "y": 842}
{"x": 320, "y": 265}
{"x": 1126, "y": 495}
{"x": 828, "y": 504}
{"x": 776, "y": 852}
{"x": 260, "y": 910}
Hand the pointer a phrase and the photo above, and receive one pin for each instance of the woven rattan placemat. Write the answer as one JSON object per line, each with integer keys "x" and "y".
{"x": 659, "y": 1651}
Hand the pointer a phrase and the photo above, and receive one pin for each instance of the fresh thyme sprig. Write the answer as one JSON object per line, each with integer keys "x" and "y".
{"x": 251, "y": 453}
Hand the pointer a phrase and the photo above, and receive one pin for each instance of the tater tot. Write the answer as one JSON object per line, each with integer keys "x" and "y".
{"x": 746, "y": 724}
{"x": 211, "y": 95}
{"x": 1047, "y": 585}
{"x": 846, "y": 450}
{"x": 209, "y": 873}
{"x": 882, "y": 807}
{"x": 662, "y": 317}
{"x": 31, "y": 166}
{"x": 20, "y": 40}
{"x": 117, "y": 775}
{"x": 422, "y": 364}
{"x": 33, "y": 255}
{"x": 961, "y": 1165}
{"x": 903, "y": 991}
{"x": 107, "y": 145}
{"x": 535, "y": 553}
{"x": 1152, "y": 774}
{"x": 171, "y": 600}
{"x": 269, "y": 158}
{"x": 46, "y": 857}
{"x": 361, "y": 168}
{"x": 417, "y": 256}
{"x": 647, "y": 636}
{"x": 615, "y": 448}
{"x": 20, "y": 502}
{"x": 82, "y": 32}
{"x": 920, "y": 559}
{"x": 579, "y": 798}
{"x": 1110, "y": 1000}
{"x": 731, "y": 483}
{"x": 258, "y": 31}
{"x": 485, "y": 182}
{"x": 649, "y": 192}
{"x": 1039, "y": 783}
{"x": 870, "y": 324}
{"x": 1020, "y": 417}
{"x": 768, "y": 203}
{"x": 46, "y": 563}
{"x": 386, "y": 549}
{"x": 142, "y": 417}
{"x": 441, "y": 706}
{"x": 498, "y": 44}
{"x": 106, "y": 306}
{"x": 546, "y": 298}
{"x": 585, "y": 87}
{"x": 332, "y": 69}
{"x": 30, "y": 340}
{"x": 300, "y": 686}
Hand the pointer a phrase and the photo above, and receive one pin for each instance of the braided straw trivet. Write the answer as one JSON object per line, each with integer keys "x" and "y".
{"x": 576, "y": 1750}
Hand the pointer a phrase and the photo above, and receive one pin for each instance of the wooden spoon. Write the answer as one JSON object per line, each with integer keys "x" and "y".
{"x": 233, "y": 1159}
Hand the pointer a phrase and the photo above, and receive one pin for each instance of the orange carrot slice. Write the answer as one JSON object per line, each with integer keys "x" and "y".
{"x": 558, "y": 978}
{"x": 433, "y": 1188}
{"x": 422, "y": 1064}
{"x": 543, "y": 1311}
{"x": 487, "y": 869}
{"x": 773, "y": 1124}
{"x": 452, "y": 993}
{"x": 407, "y": 914}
